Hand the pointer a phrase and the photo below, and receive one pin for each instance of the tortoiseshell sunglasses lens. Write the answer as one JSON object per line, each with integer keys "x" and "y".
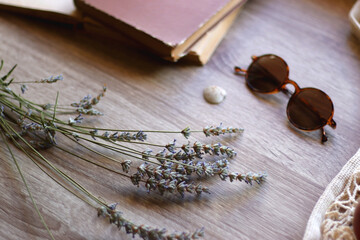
{"x": 310, "y": 109}
{"x": 267, "y": 73}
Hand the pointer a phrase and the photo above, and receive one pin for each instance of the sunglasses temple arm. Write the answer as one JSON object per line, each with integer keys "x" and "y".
{"x": 332, "y": 123}
{"x": 239, "y": 70}
{"x": 323, "y": 135}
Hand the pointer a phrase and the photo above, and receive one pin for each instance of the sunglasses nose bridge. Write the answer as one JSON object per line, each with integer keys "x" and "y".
{"x": 296, "y": 86}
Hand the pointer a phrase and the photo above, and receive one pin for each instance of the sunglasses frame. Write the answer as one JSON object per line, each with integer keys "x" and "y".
{"x": 282, "y": 88}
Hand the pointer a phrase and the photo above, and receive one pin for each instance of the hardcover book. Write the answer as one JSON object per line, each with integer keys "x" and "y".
{"x": 168, "y": 28}
{"x": 199, "y": 50}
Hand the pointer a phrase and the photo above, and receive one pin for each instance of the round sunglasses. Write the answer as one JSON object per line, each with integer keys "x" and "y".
{"x": 308, "y": 109}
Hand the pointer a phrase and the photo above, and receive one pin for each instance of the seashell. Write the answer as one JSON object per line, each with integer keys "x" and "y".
{"x": 214, "y": 94}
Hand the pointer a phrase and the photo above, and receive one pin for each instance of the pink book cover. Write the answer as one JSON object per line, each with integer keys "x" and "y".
{"x": 162, "y": 25}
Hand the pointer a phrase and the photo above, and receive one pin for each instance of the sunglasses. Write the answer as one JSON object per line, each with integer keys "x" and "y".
{"x": 308, "y": 109}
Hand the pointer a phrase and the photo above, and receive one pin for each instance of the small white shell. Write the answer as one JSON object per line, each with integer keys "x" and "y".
{"x": 214, "y": 94}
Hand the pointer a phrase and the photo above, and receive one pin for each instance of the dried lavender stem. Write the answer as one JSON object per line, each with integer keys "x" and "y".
{"x": 31, "y": 106}
{"x": 92, "y": 150}
{"x": 51, "y": 165}
{"x": 128, "y": 222}
{"x": 26, "y": 186}
{"x": 94, "y": 163}
{"x": 33, "y": 160}
{"x": 107, "y": 207}
{"x": 3, "y": 79}
{"x": 43, "y": 170}
{"x": 61, "y": 184}
{"x": 140, "y": 158}
{"x": 18, "y": 110}
{"x": 132, "y": 130}
{"x": 22, "y": 99}
{"x": 56, "y": 101}
{"x": 139, "y": 143}
{"x": 116, "y": 149}
{"x": 127, "y": 149}
{"x": 109, "y": 147}
{"x": 120, "y": 151}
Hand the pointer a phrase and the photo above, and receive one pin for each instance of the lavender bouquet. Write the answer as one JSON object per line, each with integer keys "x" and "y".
{"x": 166, "y": 168}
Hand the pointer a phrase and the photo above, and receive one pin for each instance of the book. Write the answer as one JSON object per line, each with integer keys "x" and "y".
{"x": 203, "y": 49}
{"x": 65, "y": 11}
{"x": 167, "y": 28}
{"x": 200, "y": 53}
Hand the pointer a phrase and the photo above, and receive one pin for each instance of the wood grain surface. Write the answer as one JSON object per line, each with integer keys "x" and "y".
{"x": 145, "y": 92}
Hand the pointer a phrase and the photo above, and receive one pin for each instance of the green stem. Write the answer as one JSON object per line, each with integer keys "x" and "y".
{"x": 94, "y": 163}
{"x": 132, "y": 130}
{"x": 27, "y": 187}
{"x": 61, "y": 173}
{"x": 56, "y": 101}
{"x": 43, "y": 170}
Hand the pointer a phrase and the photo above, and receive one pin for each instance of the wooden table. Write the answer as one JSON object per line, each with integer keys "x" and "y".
{"x": 315, "y": 39}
